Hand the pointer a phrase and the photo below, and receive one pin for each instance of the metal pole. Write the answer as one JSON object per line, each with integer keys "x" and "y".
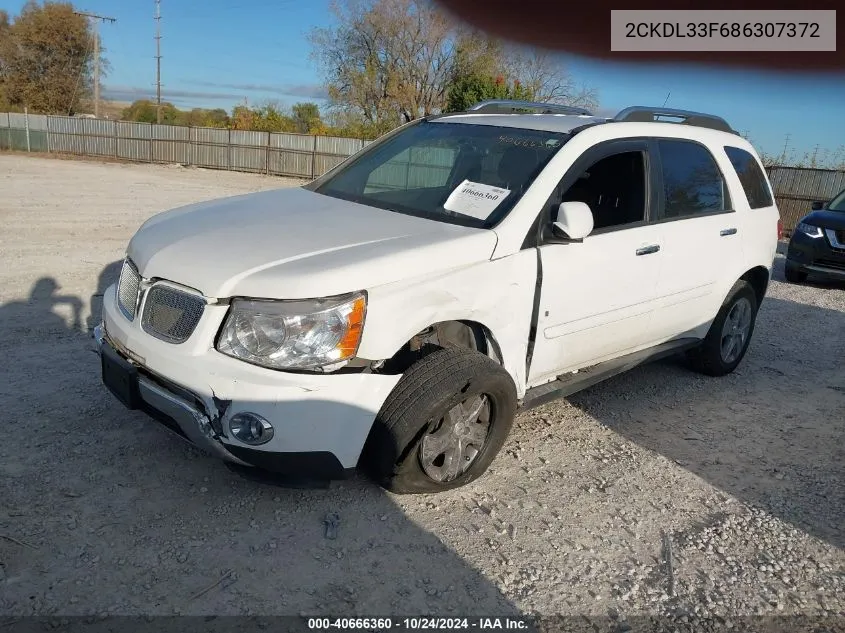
{"x": 96, "y": 70}
{"x": 158, "y": 61}
{"x": 94, "y": 19}
{"x": 26, "y": 125}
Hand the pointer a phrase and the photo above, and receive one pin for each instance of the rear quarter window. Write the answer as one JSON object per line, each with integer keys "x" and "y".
{"x": 751, "y": 176}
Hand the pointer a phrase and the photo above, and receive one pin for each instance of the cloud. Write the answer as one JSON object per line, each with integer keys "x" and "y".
{"x": 310, "y": 91}
{"x": 131, "y": 93}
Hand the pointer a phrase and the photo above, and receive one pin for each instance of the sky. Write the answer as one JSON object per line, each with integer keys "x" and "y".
{"x": 217, "y": 53}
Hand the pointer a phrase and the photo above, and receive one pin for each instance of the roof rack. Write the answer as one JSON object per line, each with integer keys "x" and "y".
{"x": 687, "y": 117}
{"x": 506, "y": 106}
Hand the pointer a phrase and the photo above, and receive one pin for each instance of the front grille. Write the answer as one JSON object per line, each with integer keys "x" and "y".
{"x": 837, "y": 264}
{"x": 170, "y": 314}
{"x": 840, "y": 236}
{"x": 127, "y": 289}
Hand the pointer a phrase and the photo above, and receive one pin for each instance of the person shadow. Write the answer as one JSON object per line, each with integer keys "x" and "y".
{"x": 35, "y": 317}
{"x": 108, "y": 276}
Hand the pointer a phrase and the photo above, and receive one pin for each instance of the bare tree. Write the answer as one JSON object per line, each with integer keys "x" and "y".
{"x": 386, "y": 58}
{"x": 545, "y": 76}
{"x": 389, "y": 60}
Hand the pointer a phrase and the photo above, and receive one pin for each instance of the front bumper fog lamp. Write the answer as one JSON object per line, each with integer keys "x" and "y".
{"x": 250, "y": 428}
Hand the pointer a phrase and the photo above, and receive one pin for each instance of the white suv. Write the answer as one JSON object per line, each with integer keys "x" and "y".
{"x": 396, "y": 313}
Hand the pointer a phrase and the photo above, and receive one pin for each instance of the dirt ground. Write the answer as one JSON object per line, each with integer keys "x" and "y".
{"x": 659, "y": 492}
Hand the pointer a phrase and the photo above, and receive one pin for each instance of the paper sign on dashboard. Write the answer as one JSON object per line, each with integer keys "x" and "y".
{"x": 475, "y": 199}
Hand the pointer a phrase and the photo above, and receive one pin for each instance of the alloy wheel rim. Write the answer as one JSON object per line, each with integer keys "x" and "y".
{"x": 735, "y": 330}
{"x": 452, "y": 445}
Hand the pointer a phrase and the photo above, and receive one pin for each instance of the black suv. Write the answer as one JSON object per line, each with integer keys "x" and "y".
{"x": 818, "y": 242}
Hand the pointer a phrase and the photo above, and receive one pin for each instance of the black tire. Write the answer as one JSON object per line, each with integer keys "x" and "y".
{"x": 707, "y": 358}
{"x": 793, "y": 275}
{"x": 423, "y": 396}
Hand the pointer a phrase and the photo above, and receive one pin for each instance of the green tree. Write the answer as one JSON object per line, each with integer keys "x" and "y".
{"x": 46, "y": 58}
{"x": 467, "y": 90}
{"x": 144, "y": 111}
{"x": 269, "y": 117}
{"x": 306, "y": 117}
{"x": 140, "y": 111}
{"x": 216, "y": 118}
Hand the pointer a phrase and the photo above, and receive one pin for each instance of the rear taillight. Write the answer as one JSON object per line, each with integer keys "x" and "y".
{"x": 780, "y": 229}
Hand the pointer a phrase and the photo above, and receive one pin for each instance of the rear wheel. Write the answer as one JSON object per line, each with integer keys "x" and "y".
{"x": 442, "y": 425}
{"x": 794, "y": 275}
{"x": 727, "y": 341}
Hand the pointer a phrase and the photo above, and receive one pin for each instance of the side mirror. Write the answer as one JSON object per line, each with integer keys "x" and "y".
{"x": 574, "y": 220}
{"x": 817, "y": 204}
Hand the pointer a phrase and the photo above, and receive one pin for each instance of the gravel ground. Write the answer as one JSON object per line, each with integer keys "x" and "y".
{"x": 659, "y": 493}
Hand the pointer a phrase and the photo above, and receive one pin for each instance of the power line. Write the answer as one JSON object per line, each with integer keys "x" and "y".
{"x": 95, "y": 24}
{"x": 158, "y": 60}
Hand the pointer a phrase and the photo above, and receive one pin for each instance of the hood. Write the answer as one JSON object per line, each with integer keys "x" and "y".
{"x": 827, "y": 219}
{"x": 293, "y": 244}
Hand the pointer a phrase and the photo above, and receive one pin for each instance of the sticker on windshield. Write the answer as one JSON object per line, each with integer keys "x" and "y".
{"x": 475, "y": 199}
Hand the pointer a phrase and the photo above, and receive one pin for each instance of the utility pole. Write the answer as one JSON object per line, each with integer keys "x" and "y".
{"x": 785, "y": 145}
{"x": 95, "y": 24}
{"x": 158, "y": 60}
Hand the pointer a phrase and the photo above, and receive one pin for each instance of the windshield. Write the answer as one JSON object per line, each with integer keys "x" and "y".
{"x": 453, "y": 172}
{"x": 838, "y": 203}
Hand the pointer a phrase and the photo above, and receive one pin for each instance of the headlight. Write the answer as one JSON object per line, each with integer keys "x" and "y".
{"x": 316, "y": 334}
{"x": 809, "y": 230}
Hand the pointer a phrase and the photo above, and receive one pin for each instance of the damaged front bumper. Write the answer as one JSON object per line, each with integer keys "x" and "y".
{"x": 184, "y": 414}
{"x": 136, "y": 390}
{"x": 320, "y": 422}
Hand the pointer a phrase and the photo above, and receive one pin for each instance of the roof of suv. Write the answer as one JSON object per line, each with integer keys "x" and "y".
{"x": 546, "y": 122}
{"x": 563, "y": 119}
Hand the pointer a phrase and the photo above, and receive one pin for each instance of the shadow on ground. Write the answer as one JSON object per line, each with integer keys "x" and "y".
{"x": 108, "y": 276}
{"x": 778, "y": 448}
{"x": 105, "y": 512}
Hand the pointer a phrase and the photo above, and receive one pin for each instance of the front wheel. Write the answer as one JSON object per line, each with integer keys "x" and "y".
{"x": 727, "y": 340}
{"x": 443, "y": 423}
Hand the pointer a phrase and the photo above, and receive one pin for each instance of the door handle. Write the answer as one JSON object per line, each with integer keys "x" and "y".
{"x": 725, "y": 232}
{"x": 648, "y": 250}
